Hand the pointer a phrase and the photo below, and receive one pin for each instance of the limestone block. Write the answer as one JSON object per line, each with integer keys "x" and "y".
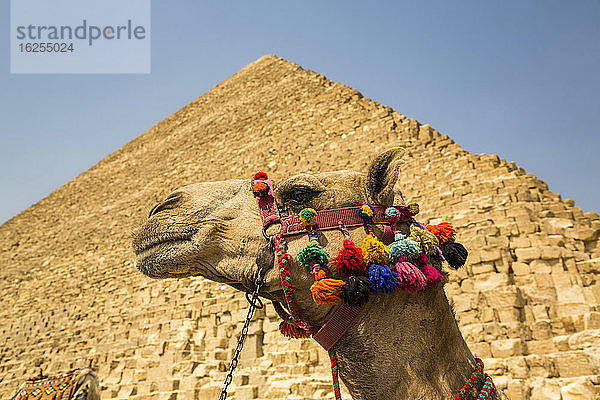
{"x": 481, "y": 268}
{"x": 528, "y": 254}
{"x": 540, "y": 312}
{"x": 519, "y": 242}
{"x": 589, "y": 266}
{"x": 517, "y": 367}
{"x": 520, "y": 268}
{"x": 502, "y": 297}
{"x": 541, "y": 330}
{"x": 490, "y": 281}
{"x": 545, "y": 390}
{"x": 543, "y": 280}
{"x": 580, "y": 390}
{"x": 247, "y": 392}
{"x": 507, "y": 348}
{"x": 550, "y": 252}
{"x": 509, "y": 314}
{"x": 540, "y": 366}
{"x": 481, "y": 349}
{"x": 541, "y": 266}
{"x": 592, "y": 320}
{"x": 570, "y": 364}
{"x": 517, "y": 389}
{"x": 568, "y": 309}
{"x": 570, "y": 294}
{"x": 585, "y": 339}
{"x": 556, "y": 226}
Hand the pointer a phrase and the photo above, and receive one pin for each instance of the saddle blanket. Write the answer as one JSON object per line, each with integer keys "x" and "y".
{"x": 79, "y": 384}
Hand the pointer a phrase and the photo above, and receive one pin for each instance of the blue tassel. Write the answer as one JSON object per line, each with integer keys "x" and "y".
{"x": 382, "y": 278}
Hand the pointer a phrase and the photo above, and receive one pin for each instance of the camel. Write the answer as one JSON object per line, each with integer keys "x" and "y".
{"x": 401, "y": 345}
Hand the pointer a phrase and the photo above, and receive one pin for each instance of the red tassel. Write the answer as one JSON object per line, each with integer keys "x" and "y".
{"x": 350, "y": 260}
{"x": 292, "y": 331}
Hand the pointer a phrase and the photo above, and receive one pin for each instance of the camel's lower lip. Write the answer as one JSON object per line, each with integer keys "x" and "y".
{"x": 174, "y": 253}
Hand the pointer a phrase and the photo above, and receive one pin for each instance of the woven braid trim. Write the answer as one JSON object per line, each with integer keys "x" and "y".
{"x": 283, "y": 261}
{"x": 488, "y": 391}
{"x": 335, "y": 375}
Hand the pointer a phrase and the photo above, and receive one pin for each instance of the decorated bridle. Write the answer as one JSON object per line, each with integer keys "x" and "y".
{"x": 383, "y": 264}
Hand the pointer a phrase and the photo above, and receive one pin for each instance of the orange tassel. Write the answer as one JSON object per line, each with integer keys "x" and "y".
{"x": 444, "y": 232}
{"x": 327, "y": 291}
{"x": 292, "y": 331}
{"x": 320, "y": 274}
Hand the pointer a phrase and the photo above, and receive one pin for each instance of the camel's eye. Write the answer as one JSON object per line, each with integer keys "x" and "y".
{"x": 300, "y": 195}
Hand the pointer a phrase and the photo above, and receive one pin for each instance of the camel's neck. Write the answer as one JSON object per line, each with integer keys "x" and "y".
{"x": 405, "y": 346}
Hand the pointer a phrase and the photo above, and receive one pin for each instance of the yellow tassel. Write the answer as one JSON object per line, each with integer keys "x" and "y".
{"x": 427, "y": 240}
{"x": 374, "y": 251}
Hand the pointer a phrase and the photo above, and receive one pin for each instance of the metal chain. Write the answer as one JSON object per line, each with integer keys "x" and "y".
{"x": 255, "y": 303}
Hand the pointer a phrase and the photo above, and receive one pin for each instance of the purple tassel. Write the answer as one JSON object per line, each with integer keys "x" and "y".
{"x": 410, "y": 278}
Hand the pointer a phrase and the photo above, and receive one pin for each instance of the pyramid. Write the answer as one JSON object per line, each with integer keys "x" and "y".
{"x": 527, "y": 301}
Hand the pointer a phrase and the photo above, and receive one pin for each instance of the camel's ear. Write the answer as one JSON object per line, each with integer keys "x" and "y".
{"x": 382, "y": 176}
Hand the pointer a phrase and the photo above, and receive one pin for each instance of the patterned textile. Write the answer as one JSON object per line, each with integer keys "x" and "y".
{"x": 79, "y": 384}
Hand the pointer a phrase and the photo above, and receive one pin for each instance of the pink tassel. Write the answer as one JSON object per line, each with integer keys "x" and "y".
{"x": 432, "y": 274}
{"x": 410, "y": 278}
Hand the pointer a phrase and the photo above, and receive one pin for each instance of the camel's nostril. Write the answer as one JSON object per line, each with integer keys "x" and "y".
{"x": 166, "y": 204}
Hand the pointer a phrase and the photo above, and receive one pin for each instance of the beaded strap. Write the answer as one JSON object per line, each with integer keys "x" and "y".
{"x": 488, "y": 392}
{"x": 334, "y": 375}
{"x": 283, "y": 261}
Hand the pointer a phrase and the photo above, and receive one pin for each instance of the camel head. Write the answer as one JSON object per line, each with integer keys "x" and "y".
{"x": 404, "y": 344}
{"x": 214, "y": 230}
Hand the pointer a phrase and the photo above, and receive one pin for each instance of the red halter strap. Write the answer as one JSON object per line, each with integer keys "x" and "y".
{"x": 326, "y": 219}
{"x": 329, "y": 219}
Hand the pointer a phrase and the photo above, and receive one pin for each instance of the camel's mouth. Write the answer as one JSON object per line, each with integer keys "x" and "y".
{"x": 145, "y": 244}
{"x": 163, "y": 254}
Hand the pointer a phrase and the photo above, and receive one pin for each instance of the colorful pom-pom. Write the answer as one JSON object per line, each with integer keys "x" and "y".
{"x": 444, "y": 232}
{"x": 327, "y": 291}
{"x": 292, "y": 331}
{"x": 374, "y": 251}
{"x": 404, "y": 246}
{"x": 382, "y": 278}
{"x": 313, "y": 253}
{"x": 356, "y": 291}
{"x": 260, "y": 189}
{"x": 410, "y": 278}
{"x": 392, "y": 215}
{"x": 427, "y": 240}
{"x": 413, "y": 209}
{"x": 455, "y": 253}
{"x": 308, "y": 216}
{"x": 366, "y": 212}
{"x": 320, "y": 274}
{"x": 260, "y": 176}
{"x": 432, "y": 274}
{"x": 350, "y": 260}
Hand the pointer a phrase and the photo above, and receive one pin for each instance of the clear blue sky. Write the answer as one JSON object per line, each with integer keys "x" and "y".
{"x": 515, "y": 78}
